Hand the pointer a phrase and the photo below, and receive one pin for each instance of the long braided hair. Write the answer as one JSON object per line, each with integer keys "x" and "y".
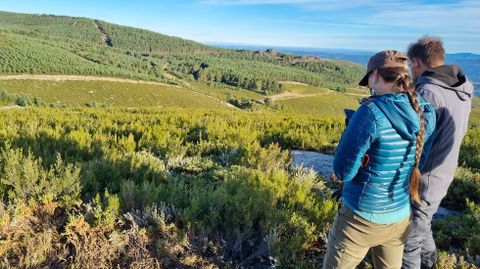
{"x": 401, "y": 80}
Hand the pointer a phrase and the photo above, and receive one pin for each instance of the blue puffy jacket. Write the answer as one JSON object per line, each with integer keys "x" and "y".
{"x": 376, "y": 156}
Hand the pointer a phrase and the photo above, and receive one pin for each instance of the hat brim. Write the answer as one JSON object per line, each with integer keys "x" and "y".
{"x": 364, "y": 81}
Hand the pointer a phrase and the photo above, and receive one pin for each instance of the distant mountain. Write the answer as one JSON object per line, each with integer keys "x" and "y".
{"x": 464, "y": 56}
{"x": 469, "y": 62}
{"x": 356, "y": 56}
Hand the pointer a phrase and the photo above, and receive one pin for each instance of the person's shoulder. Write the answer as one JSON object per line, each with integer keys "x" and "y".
{"x": 364, "y": 122}
{"x": 370, "y": 111}
{"x": 367, "y": 108}
{"x": 431, "y": 94}
{"x": 427, "y": 88}
{"x": 377, "y": 102}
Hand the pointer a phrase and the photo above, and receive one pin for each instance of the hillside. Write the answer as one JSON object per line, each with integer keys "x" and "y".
{"x": 94, "y": 47}
{"x": 74, "y": 29}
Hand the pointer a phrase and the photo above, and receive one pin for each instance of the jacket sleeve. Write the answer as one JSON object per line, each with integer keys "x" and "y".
{"x": 429, "y": 116}
{"x": 355, "y": 142}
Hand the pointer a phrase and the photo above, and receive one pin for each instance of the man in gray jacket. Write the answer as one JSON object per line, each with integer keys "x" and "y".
{"x": 447, "y": 88}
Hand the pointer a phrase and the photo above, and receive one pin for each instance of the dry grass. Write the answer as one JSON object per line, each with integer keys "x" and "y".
{"x": 50, "y": 236}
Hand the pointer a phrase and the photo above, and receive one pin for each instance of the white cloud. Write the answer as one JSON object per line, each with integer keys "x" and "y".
{"x": 400, "y": 7}
{"x": 312, "y": 4}
{"x": 463, "y": 16}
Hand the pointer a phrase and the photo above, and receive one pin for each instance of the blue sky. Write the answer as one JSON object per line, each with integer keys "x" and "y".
{"x": 358, "y": 24}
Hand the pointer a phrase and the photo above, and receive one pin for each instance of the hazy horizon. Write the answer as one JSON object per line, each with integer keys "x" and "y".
{"x": 263, "y": 46}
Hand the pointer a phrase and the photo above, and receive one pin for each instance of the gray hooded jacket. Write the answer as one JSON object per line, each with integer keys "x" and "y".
{"x": 449, "y": 91}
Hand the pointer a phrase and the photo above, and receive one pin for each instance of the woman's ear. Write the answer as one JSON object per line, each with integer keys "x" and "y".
{"x": 376, "y": 77}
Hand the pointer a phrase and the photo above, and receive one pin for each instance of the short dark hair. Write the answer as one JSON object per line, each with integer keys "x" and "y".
{"x": 429, "y": 50}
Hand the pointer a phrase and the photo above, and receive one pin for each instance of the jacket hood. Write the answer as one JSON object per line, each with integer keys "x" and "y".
{"x": 399, "y": 112}
{"x": 450, "y": 77}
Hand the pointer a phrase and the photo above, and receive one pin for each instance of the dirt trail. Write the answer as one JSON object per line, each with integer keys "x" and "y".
{"x": 11, "y": 107}
{"x": 81, "y": 78}
{"x": 290, "y": 95}
{"x": 106, "y": 37}
{"x": 217, "y": 99}
{"x": 291, "y": 82}
{"x": 191, "y": 88}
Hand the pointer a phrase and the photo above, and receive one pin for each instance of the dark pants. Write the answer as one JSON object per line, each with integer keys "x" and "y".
{"x": 420, "y": 250}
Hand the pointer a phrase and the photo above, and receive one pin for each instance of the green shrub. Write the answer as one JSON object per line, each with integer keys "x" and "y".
{"x": 20, "y": 100}
{"x": 95, "y": 104}
{"x": 448, "y": 260}
{"x": 461, "y": 233}
{"x": 465, "y": 186}
{"x": 23, "y": 179}
{"x": 106, "y": 209}
{"x": 222, "y": 179}
{"x": 470, "y": 150}
{"x": 243, "y": 103}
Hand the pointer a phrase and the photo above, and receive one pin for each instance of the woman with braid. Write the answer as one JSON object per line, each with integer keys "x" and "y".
{"x": 378, "y": 159}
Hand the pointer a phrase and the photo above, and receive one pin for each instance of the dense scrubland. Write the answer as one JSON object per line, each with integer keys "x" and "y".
{"x": 173, "y": 187}
{"x": 102, "y": 174}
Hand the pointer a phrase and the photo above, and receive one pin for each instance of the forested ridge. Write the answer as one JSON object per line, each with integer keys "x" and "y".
{"x": 59, "y": 44}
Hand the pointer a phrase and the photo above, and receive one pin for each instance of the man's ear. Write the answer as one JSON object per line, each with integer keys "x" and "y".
{"x": 415, "y": 62}
{"x": 418, "y": 64}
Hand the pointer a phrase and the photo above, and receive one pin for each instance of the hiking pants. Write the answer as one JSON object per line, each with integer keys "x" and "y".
{"x": 420, "y": 250}
{"x": 352, "y": 236}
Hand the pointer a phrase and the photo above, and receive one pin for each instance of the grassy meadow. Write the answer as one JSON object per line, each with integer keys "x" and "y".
{"x": 109, "y": 93}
